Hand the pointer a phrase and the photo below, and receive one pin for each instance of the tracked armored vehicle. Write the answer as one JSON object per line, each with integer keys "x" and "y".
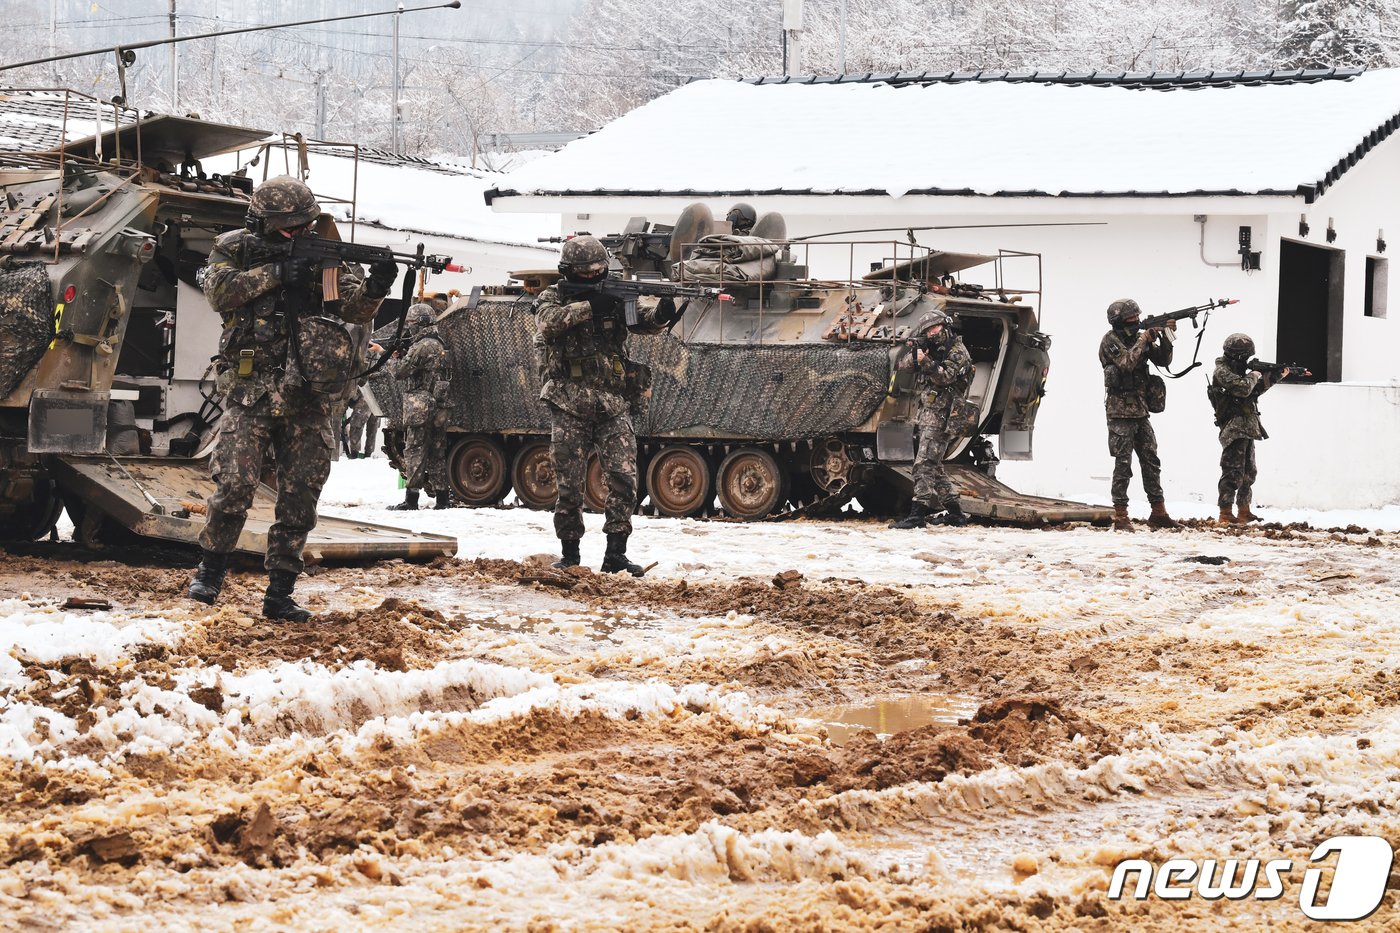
{"x": 106, "y": 400}
{"x": 784, "y": 397}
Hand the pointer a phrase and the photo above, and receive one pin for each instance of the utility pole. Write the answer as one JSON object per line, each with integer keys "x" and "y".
{"x": 174, "y": 66}
{"x": 214, "y": 63}
{"x": 396, "y": 115}
{"x": 841, "y": 42}
{"x": 321, "y": 104}
{"x": 792, "y": 31}
{"x": 53, "y": 41}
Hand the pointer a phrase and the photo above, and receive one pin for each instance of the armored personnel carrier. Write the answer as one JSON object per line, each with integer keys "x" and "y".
{"x": 783, "y": 397}
{"x": 106, "y": 401}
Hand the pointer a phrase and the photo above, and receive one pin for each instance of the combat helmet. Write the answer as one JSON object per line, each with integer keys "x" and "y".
{"x": 1121, "y": 309}
{"x": 741, "y": 218}
{"x": 420, "y": 316}
{"x": 931, "y": 319}
{"x": 282, "y": 203}
{"x": 1239, "y": 346}
{"x": 583, "y": 259}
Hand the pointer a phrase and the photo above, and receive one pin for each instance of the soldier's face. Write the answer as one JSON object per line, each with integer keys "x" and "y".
{"x": 934, "y": 331}
{"x": 591, "y": 272}
{"x": 294, "y": 232}
{"x": 1130, "y": 323}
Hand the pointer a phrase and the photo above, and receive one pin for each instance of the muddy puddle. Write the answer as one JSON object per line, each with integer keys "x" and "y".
{"x": 891, "y": 715}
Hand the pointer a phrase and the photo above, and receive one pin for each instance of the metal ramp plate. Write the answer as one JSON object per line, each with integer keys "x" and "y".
{"x": 180, "y": 490}
{"x": 987, "y": 498}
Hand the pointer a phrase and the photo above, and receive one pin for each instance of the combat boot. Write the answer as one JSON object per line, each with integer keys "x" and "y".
{"x": 278, "y": 603}
{"x": 570, "y": 552}
{"x": 1159, "y": 517}
{"x": 409, "y": 503}
{"x": 208, "y": 580}
{"x": 444, "y": 501}
{"x": 1227, "y": 517}
{"x": 615, "y": 557}
{"x": 917, "y": 517}
{"x": 1121, "y": 522}
{"x": 1246, "y": 515}
{"x": 954, "y": 515}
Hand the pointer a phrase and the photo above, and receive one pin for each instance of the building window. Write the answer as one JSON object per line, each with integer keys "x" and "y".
{"x": 1377, "y": 286}
{"x": 1310, "y": 289}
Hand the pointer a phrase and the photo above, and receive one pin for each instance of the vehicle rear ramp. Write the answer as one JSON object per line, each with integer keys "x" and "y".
{"x": 157, "y": 498}
{"x": 991, "y": 500}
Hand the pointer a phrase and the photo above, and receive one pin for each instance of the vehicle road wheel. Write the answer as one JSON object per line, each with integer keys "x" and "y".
{"x": 476, "y": 468}
{"x": 533, "y": 476}
{"x": 595, "y": 486}
{"x": 751, "y": 484}
{"x": 678, "y": 480}
{"x": 34, "y": 519}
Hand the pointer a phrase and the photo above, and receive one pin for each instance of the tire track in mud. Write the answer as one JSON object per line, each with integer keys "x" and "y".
{"x": 437, "y": 776}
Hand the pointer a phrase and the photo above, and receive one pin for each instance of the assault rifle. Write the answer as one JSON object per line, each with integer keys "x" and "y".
{"x": 1298, "y": 369}
{"x": 627, "y": 291}
{"x": 1161, "y": 320}
{"x": 328, "y": 252}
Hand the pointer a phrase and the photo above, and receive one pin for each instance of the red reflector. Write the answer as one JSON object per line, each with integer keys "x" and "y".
{"x": 70, "y": 293}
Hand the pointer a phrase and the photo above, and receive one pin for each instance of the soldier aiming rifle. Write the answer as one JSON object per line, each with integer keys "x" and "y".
{"x": 1234, "y": 395}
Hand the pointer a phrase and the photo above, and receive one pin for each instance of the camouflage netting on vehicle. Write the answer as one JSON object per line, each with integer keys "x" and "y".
{"x": 26, "y": 320}
{"x": 772, "y": 392}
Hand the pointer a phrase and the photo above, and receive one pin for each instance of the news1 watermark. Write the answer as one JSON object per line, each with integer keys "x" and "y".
{"x": 1358, "y": 880}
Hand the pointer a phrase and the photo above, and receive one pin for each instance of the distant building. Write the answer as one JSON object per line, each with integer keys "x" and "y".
{"x": 1276, "y": 188}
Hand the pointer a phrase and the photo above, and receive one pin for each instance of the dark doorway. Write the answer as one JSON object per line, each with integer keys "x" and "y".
{"x": 1310, "y": 309}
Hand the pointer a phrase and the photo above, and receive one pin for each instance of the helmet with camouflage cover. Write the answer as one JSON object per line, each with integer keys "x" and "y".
{"x": 1121, "y": 310}
{"x": 282, "y": 203}
{"x": 1239, "y": 346}
{"x": 583, "y": 259}
{"x": 931, "y": 319}
{"x": 420, "y": 316}
{"x": 741, "y": 218}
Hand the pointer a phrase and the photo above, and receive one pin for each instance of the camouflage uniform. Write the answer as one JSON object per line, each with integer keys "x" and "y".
{"x": 589, "y": 388}
{"x": 423, "y": 374}
{"x": 942, "y": 379}
{"x": 273, "y": 407}
{"x": 1124, "y": 358}
{"x": 1240, "y": 427}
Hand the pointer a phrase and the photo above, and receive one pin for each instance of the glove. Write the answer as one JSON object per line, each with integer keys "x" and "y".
{"x": 382, "y": 275}
{"x": 666, "y": 312}
{"x": 298, "y": 274}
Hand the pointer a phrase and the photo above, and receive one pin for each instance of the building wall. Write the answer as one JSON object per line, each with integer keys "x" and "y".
{"x": 1332, "y": 446}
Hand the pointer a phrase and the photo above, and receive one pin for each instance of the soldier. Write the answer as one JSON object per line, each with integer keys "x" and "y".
{"x": 589, "y": 383}
{"x": 423, "y": 374}
{"x": 1234, "y": 393}
{"x": 943, "y": 373}
{"x": 364, "y": 424}
{"x": 283, "y": 362}
{"x": 741, "y": 219}
{"x": 1124, "y": 353}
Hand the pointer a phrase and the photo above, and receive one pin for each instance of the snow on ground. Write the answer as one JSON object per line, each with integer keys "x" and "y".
{"x": 485, "y": 743}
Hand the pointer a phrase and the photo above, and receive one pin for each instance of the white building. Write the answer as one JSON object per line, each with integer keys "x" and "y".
{"x": 1161, "y": 175}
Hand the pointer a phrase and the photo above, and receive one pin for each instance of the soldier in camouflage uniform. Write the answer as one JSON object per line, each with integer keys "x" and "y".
{"x": 589, "y": 388}
{"x": 943, "y": 373}
{"x": 280, "y": 393}
{"x": 1235, "y": 392}
{"x": 423, "y": 374}
{"x": 1124, "y": 354}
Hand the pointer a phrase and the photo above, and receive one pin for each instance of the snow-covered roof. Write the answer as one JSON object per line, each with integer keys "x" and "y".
{"x": 1012, "y": 135}
{"x": 41, "y": 121}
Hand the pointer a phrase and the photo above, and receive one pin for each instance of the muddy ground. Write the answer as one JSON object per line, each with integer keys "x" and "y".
{"x": 490, "y": 743}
